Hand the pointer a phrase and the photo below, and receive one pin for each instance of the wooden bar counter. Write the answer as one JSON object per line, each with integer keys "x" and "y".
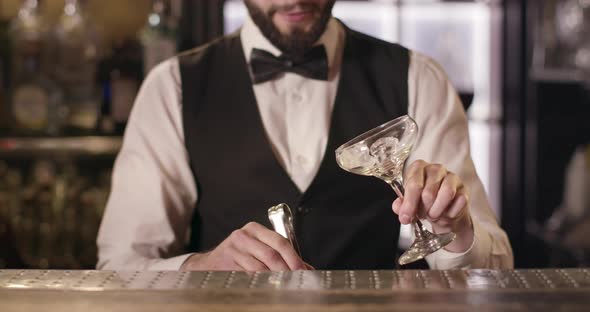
{"x": 470, "y": 290}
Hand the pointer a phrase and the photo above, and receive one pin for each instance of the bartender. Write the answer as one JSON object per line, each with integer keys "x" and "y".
{"x": 221, "y": 133}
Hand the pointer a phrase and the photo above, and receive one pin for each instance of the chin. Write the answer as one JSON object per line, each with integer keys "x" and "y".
{"x": 287, "y": 30}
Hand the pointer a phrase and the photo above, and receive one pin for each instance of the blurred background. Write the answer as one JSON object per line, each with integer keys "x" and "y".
{"x": 69, "y": 72}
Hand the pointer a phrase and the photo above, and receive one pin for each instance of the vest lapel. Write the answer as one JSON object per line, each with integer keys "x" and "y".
{"x": 354, "y": 108}
{"x": 247, "y": 104}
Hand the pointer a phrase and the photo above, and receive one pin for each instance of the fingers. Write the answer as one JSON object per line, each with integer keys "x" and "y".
{"x": 414, "y": 184}
{"x": 454, "y": 214}
{"x": 433, "y": 193}
{"x": 458, "y": 207}
{"x": 249, "y": 263}
{"x": 397, "y": 203}
{"x": 434, "y": 176}
{"x": 283, "y": 248}
{"x": 252, "y": 249}
{"x": 445, "y": 194}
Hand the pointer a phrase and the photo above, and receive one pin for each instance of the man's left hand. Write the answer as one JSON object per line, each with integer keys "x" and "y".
{"x": 439, "y": 196}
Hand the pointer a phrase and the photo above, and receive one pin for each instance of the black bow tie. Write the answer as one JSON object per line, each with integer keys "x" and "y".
{"x": 313, "y": 64}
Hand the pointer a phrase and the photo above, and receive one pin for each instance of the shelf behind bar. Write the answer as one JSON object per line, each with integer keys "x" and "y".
{"x": 60, "y": 146}
{"x": 557, "y": 75}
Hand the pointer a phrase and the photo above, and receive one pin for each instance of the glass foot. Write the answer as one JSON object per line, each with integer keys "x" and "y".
{"x": 426, "y": 245}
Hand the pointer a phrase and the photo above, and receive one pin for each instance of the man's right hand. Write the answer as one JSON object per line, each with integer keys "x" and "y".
{"x": 251, "y": 248}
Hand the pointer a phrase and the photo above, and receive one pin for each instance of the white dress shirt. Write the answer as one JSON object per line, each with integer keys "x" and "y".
{"x": 147, "y": 220}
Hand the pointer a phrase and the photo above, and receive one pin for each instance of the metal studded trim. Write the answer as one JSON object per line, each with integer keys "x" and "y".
{"x": 299, "y": 280}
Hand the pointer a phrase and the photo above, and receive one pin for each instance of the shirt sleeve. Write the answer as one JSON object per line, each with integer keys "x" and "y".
{"x": 444, "y": 139}
{"x": 148, "y": 215}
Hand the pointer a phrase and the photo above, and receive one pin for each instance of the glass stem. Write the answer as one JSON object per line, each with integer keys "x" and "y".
{"x": 398, "y": 188}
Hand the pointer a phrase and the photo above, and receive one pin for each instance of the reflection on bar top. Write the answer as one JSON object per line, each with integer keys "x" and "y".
{"x": 451, "y": 280}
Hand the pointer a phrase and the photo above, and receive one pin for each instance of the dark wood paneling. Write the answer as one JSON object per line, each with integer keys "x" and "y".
{"x": 514, "y": 99}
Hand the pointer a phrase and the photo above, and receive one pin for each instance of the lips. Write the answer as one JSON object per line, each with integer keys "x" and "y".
{"x": 296, "y": 16}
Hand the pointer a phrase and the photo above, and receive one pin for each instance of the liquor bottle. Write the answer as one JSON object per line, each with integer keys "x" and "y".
{"x": 4, "y": 61}
{"x": 38, "y": 212}
{"x": 74, "y": 62}
{"x": 159, "y": 34}
{"x": 36, "y": 102}
{"x": 4, "y": 192}
{"x": 120, "y": 75}
{"x": 9, "y": 255}
{"x": 3, "y": 114}
{"x": 69, "y": 224}
{"x": 4, "y": 47}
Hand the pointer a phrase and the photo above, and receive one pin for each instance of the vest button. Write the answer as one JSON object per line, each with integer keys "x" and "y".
{"x": 296, "y": 97}
{"x": 302, "y": 210}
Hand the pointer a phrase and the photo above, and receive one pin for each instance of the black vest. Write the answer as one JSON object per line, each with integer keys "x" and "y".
{"x": 342, "y": 221}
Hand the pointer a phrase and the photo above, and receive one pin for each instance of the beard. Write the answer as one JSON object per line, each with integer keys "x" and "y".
{"x": 298, "y": 41}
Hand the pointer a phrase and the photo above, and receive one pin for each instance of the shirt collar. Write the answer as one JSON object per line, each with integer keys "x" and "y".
{"x": 332, "y": 39}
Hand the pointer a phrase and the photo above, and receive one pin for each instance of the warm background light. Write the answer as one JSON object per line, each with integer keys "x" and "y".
{"x": 126, "y": 20}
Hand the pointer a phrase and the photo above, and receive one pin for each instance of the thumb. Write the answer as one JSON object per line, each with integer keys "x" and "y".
{"x": 308, "y": 266}
{"x": 397, "y": 204}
